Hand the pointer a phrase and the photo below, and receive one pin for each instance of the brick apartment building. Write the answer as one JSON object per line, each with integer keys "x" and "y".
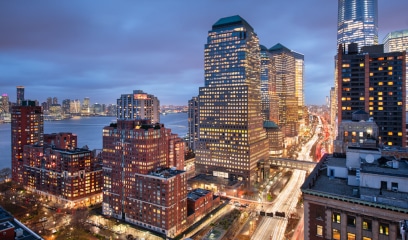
{"x": 61, "y": 172}
{"x": 144, "y": 181}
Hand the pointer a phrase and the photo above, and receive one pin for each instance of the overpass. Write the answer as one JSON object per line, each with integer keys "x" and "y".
{"x": 292, "y": 163}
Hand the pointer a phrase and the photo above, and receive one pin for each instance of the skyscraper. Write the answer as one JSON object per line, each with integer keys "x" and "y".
{"x": 374, "y": 81}
{"x": 138, "y": 105}
{"x": 231, "y": 141}
{"x": 193, "y": 121}
{"x": 357, "y": 22}
{"x": 287, "y": 81}
{"x": 20, "y": 95}
{"x": 27, "y": 127}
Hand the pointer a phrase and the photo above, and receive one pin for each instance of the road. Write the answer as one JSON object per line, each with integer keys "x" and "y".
{"x": 274, "y": 227}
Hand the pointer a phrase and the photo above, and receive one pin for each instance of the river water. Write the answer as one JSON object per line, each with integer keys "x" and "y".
{"x": 88, "y": 130}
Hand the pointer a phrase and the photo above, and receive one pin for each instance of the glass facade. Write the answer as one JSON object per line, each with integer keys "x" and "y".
{"x": 357, "y": 22}
{"x": 231, "y": 138}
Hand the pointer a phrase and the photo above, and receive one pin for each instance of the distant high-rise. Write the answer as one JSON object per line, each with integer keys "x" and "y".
{"x": 357, "y": 22}
{"x": 20, "y": 95}
{"x": 27, "y": 127}
{"x": 231, "y": 141}
{"x": 287, "y": 83}
{"x": 4, "y": 104}
{"x": 193, "y": 121}
{"x": 138, "y": 105}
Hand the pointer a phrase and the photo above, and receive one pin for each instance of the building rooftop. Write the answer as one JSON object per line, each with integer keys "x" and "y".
{"x": 197, "y": 193}
{"x": 22, "y": 232}
{"x": 279, "y": 47}
{"x": 165, "y": 173}
{"x": 231, "y": 21}
{"x": 318, "y": 183}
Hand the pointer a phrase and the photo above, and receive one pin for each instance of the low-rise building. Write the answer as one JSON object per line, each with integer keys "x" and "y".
{"x": 360, "y": 195}
{"x": 12, "y": 229}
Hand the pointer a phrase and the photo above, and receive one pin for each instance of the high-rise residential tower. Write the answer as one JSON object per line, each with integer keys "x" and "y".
{"x": 357, "y": 22}
{"x": 20, "y": 95}
{"x": 374, "y": 81}
{"x": 231, "y": 141}
{"x": 27, "y": 127}
{"x": 138, "y": 105}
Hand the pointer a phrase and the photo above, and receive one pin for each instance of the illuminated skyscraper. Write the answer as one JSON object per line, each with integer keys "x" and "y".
{"x": 4, "y": 104}
{"x": 138, "y": 105}
{"x": 20, "y": 95}
{"x": 231, "y": 141}
{"x": 287, "y": 83}
{"x": 357, "y": 22}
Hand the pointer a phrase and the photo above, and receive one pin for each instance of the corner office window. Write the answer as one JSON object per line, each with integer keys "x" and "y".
{"x": 351, "y": 221}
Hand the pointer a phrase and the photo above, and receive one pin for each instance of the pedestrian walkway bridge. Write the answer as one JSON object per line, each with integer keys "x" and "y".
{"x": 292, "y": 163}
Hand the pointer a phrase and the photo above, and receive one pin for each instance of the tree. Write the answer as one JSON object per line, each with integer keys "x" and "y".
{"x": 5, "y": 174}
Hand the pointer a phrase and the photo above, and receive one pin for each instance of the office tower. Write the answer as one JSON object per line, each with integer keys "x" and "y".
{"x": 266, "y": 85}
{"x": 54, "y": 100}
{"x": 275, "y": 138}
{"x": 286, "y": 87}
{"x": 66, "y": 105}
{"x": 4, "y": 104}
{"x": 86, "y": 107}
{"x": 20, "y": 95}
{"x": 138, "y": 105}
{"x": 374, "y": 81}
{"x": 361, "y": 195}
{"x": 27, "y": 127}
{"x": 396, "y": 41}
{"x": 357, "y": 22}
{"x": 143, "y": 179}
{"x": 193, "y": 121}
{"x": 232, "y": 141}
{"x": 299, "y": 78}
{"x": 75, "y": 107}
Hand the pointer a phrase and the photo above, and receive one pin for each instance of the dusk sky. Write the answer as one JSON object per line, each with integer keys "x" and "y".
{"x": 102, "y": 49}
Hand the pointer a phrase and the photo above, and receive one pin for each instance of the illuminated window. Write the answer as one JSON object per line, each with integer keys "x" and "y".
{"x": 380, "y": 59}
{"x": 343, "y": 99}
{"x": 380, "y": 103}
{"x": 346, "y": 65}
{"x": 389, "y": 73}
{"x": 366, "y": 238}
{"x": 353, "y": 134}
{"x": 362, "y": 98}
{"x": 361, "y": 64}
{"x": 380, "y": 68}
{"x": 390, "y": 93}
{"x": 367, "y": 225}
{"x": 336, "y": 234}
{"x": 371, "y": 74}
{"x": 371, "y": 98}
{"x": 399, "y": 134}
{"x": 380, "y": 93}
{"x": 371, "y": 89}
{"x": 399, "y": 103}
{"x": 390, "y": 68}
{"x": 380, "y": 108}
{"x": 384, "y": 229}
{"x": 389, "y": 143}
{"x": 380, "y": 83}
{"x": 336, "y": 217}
{"x": 351, "y": 236}
{"x": 380, "y": 98}
{"x": 371, "y": 108}
{"x": 346, "y": 79}
{"x": 319, "y": 230}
